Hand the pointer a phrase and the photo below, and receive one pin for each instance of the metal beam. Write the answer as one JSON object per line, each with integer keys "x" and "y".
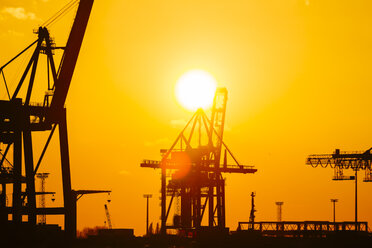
{"x": 69, "y": 202}
{"x": 30, "y": 177}
{"x": 70, "y": 57}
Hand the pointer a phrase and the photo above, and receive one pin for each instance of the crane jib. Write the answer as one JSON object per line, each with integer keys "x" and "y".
{"x": 71, "y": 54}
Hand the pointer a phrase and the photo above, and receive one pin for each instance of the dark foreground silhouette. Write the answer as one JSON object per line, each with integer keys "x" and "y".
{"x": 52, "y": 236}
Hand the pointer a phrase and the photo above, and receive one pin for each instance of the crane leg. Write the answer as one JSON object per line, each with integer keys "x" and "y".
{"x": 68, "y": 198}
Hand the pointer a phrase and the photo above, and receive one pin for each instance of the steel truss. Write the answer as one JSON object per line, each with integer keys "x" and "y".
{"x": 302, "y": 229}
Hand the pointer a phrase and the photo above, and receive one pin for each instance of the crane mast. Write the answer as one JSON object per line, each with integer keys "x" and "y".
{"x": 218, "y": 122}
{"x": 217, "y": 127}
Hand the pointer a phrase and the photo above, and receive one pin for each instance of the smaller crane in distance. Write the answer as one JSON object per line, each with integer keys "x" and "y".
{"x": 108, "y": 217}
{"x": 340, "y": 161}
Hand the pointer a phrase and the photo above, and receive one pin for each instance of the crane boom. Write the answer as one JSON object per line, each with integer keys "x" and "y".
{"x": 218, "y": 122}
{"x": 69, "y": 58}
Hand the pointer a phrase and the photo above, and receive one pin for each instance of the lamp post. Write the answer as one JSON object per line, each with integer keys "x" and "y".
{"x": 279, "y": 209}
{"x": 147, "y": 196}
{"x": 334, "y": 209}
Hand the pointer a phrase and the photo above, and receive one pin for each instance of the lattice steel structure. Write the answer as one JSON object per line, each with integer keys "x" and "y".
{"x": 304, "y": 229}
{"x": 191, "y": 169}
{"x": 340, "y": 161}
{"x": 42, "y": 177}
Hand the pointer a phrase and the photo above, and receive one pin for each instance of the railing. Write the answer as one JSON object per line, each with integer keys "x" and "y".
{"x": 306, "y": 228}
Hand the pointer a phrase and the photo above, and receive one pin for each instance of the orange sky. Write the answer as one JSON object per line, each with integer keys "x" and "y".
{"x": 298, "y": 74}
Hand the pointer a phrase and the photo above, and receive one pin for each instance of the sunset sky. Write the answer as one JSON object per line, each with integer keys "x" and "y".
{"x": 298, "y": 73}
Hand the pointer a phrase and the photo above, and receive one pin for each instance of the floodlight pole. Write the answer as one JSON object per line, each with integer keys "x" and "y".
{"x": 334, "y": 209}
{"x": 356, "y": 199}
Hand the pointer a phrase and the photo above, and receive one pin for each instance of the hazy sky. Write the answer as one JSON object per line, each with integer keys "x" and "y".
{"x": 299, "y": 80}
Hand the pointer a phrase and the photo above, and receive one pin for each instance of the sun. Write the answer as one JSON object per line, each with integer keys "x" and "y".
{"x": 195, "y": 89}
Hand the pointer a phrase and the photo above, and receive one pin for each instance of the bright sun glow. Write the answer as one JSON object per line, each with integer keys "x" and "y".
{"x": 195, "y": 89}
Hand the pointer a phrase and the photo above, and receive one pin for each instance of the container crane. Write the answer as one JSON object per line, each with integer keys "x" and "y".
{"x": 194, "y": 170}
{"x": 19, "y": 119}
{"x": 341, "y": 161}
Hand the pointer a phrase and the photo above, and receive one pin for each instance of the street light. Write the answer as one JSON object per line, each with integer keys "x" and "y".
{"x": 279, "y": 209}
{"x": 147, "y": 196}
{"x": 334, "y": 209}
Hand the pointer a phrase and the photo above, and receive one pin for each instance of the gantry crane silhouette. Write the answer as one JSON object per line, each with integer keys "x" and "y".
{"x": 341, "y": 161}
{"x": 19, "y": 119}
{"x": 191, "y": 169}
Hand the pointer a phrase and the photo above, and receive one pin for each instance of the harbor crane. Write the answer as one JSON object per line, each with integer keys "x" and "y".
{"x": 192, "y": 170}
{"x": 341, "y": 161}
{"x": 20, "y": 119}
